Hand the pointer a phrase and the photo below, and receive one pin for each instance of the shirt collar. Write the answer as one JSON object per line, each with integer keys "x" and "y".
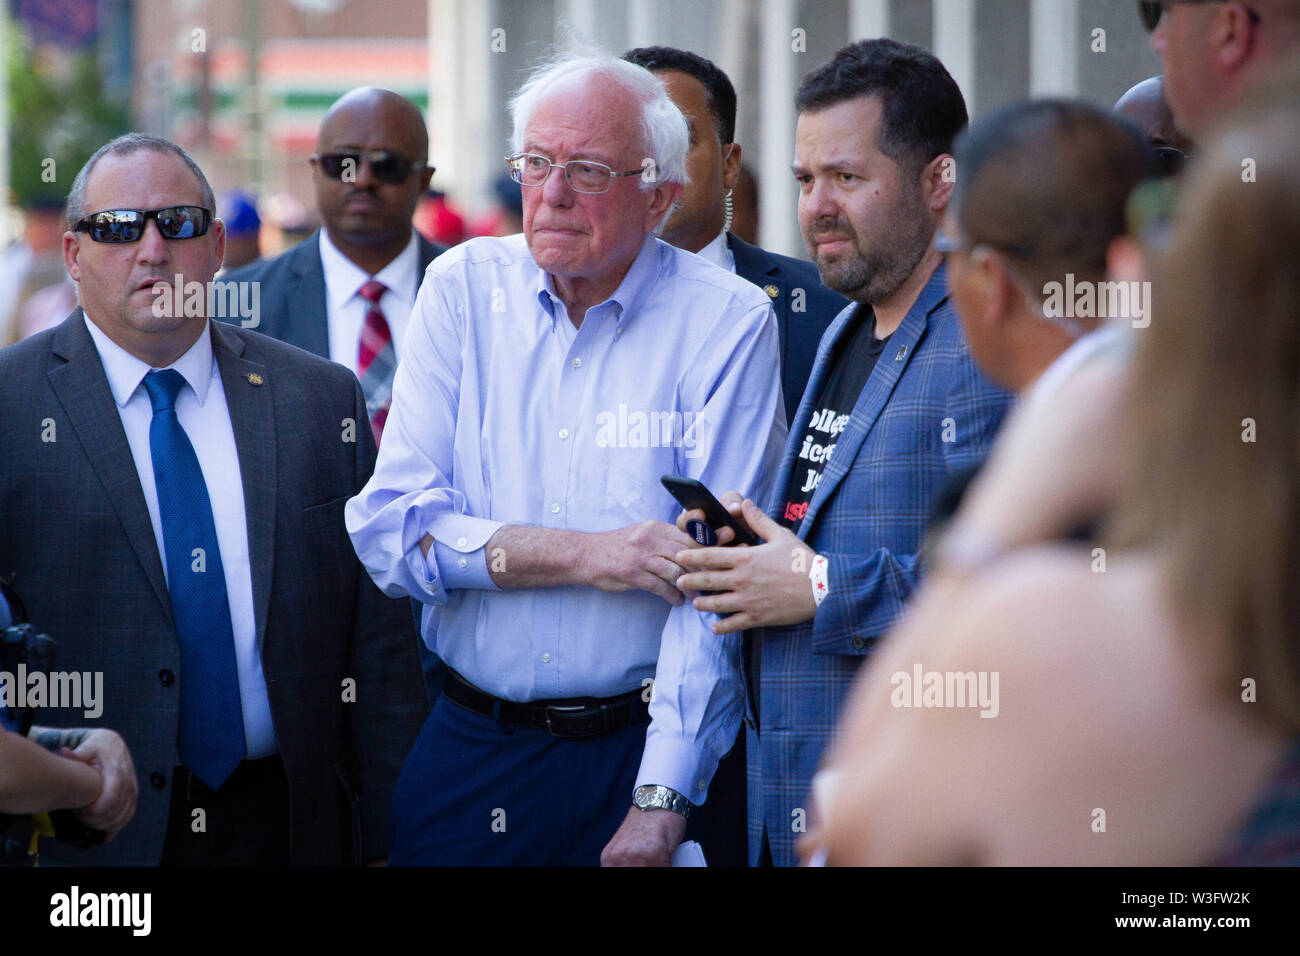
{"x": 636, "y": 284}
{"x": 344, "y": 278}
{"x": 125, "y": 372}
{"x": 718, "y": 253}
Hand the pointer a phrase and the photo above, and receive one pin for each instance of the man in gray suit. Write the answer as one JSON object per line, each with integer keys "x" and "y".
{"x": 171, "y": 491}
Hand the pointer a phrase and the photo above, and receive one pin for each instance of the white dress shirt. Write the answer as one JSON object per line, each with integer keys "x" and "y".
{"x": 719, "y": 254}
{"x": 345, "y": 310}
{"x": 1081, "y": 350}
{"x": 203, "y": 413}
{"x": 505, "y": 413}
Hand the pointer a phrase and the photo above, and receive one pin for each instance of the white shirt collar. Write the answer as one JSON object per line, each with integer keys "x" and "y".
{"x": 1081, "y": 350}
{"x": 125, "y": 372}
{"x": 719, "y": 254}
{"x": 344, "y": 278}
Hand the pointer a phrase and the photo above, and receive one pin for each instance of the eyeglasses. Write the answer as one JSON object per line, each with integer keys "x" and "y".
{"x": 385, "y": 165}
{"x": 583, "y": 176}
{"x": 950, "y": 244}
{"x": 1150, "y": 11}
{"x": 127, "y": 225}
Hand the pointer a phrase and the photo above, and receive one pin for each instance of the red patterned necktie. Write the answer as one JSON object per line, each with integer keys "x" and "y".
{"x": 376, "y": 358}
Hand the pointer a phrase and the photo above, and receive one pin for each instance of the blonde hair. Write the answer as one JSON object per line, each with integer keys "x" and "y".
{"x": 1214, "y": 408}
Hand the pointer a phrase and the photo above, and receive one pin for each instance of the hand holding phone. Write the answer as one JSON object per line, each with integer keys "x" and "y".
{"x": 692, "y": 495}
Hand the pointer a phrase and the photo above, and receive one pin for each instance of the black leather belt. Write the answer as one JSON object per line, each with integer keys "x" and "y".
{"x": 574, "y": 717}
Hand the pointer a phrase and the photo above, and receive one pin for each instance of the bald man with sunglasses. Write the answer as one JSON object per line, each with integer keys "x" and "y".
{"x": 345, "y": 292}
{"x": 171, "y": 498}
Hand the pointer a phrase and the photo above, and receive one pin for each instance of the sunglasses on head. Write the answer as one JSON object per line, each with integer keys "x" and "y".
{"x": 127, "y": 225}
{"x": 1152, "y": 10}
{"x": 385, "y": 165}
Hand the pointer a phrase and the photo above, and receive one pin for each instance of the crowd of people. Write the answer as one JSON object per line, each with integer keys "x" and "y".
{"x": 381, "y": 568}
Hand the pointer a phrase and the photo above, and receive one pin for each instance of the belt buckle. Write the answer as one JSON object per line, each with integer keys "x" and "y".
{"x": 571, "y": 708}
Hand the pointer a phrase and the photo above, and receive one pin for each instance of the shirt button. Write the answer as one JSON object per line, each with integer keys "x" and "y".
{"x": 463, "y": 563}
{"x": 546, "y": 658}
{"x": 157, "y": 780}
{"x": 577, "y": 363}
{"x": 700, "y": 784}
{"x": 859, "y": 643}
{"x": 564, "y": 433}
{"x": 166, "y": 677}
{"x": 555, "y": 509}
{"x": 461, "y": 542}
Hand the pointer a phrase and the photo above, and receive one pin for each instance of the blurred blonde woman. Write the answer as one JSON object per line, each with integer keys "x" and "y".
{"x": 1138, "y": 703}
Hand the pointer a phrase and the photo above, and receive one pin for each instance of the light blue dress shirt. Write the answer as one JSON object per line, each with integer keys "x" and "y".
{"x": 504, "y": 413}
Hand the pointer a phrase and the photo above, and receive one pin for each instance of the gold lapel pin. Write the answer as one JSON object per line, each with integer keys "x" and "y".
{"x": 771, "y": 290}
{"x": 254, "y": 379}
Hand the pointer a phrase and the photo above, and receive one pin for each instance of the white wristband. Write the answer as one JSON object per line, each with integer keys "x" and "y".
{"x": 821, "y": 585}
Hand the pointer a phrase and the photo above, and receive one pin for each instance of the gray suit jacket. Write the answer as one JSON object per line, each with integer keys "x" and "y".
{"x": 292, "y": 293}
{"x": 75, "y": 530}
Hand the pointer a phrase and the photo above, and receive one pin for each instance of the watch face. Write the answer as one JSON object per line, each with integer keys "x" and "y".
{"x": 643, "y": 795}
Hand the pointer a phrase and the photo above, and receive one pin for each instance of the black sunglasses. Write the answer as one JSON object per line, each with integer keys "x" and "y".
{"x": 1152, "y": 10}
{"x": 127, "y": 225}
{"x": 385, "y": 165}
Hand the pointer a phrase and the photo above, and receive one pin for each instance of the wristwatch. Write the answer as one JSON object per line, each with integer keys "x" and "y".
{"x": 655, "y": 797}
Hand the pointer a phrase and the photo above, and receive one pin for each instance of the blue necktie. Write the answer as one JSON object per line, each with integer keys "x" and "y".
{"x": 212, "y": 724}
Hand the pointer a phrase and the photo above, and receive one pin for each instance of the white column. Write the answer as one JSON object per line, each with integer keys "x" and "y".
{"x": 778, "y": 218}
{"x": 868, "y": 19}
{"x": 954, "y": 43}
{"x": 581, "y": 16}
{"x": 643, "y": 17}
{"x": 462, "y": 88}
{"x": 1054, "y": 40}
{"x": 733, "y": 28}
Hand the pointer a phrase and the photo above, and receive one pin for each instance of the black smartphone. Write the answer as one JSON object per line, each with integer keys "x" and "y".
{"x": 691, "y": 494}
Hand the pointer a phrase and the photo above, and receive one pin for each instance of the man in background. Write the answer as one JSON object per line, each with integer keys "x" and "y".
{"x": 346, "y": 292}
{"x": 1144, "y": 105}
{"x": 702, "y": 223}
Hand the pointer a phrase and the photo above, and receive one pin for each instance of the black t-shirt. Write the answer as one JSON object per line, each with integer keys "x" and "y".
{"x": 855, "y": 357}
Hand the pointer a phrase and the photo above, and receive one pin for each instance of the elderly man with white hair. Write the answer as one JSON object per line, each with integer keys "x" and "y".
{"x": 550, "y": 379}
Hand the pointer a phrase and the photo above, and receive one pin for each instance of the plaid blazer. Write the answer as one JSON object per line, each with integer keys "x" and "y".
{"x": 925, "y": 412}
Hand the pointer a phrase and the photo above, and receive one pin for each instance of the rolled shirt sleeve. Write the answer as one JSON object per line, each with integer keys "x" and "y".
{"x": 698, "y": 698}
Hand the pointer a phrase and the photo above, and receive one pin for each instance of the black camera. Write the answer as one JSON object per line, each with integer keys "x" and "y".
{"x": 23, "y": 650}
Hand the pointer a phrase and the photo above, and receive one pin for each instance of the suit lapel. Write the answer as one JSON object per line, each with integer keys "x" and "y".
{"x": 248, "y": 387}
{"x": 82, "y": 389}
{"x": 304, "y": 300}
{"x": 428, "y": 252}
{"x": 760, "y": 269}
{"x": 875, "y": 394}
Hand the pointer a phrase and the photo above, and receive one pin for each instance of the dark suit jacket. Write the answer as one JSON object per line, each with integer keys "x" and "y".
{"x": 75, "y": 529}
{"x": 804, "y": 310}
{"x": 292, "y": 294}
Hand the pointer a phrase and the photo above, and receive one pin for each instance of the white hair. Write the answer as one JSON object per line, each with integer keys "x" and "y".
{"x": 666, "y": 135}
